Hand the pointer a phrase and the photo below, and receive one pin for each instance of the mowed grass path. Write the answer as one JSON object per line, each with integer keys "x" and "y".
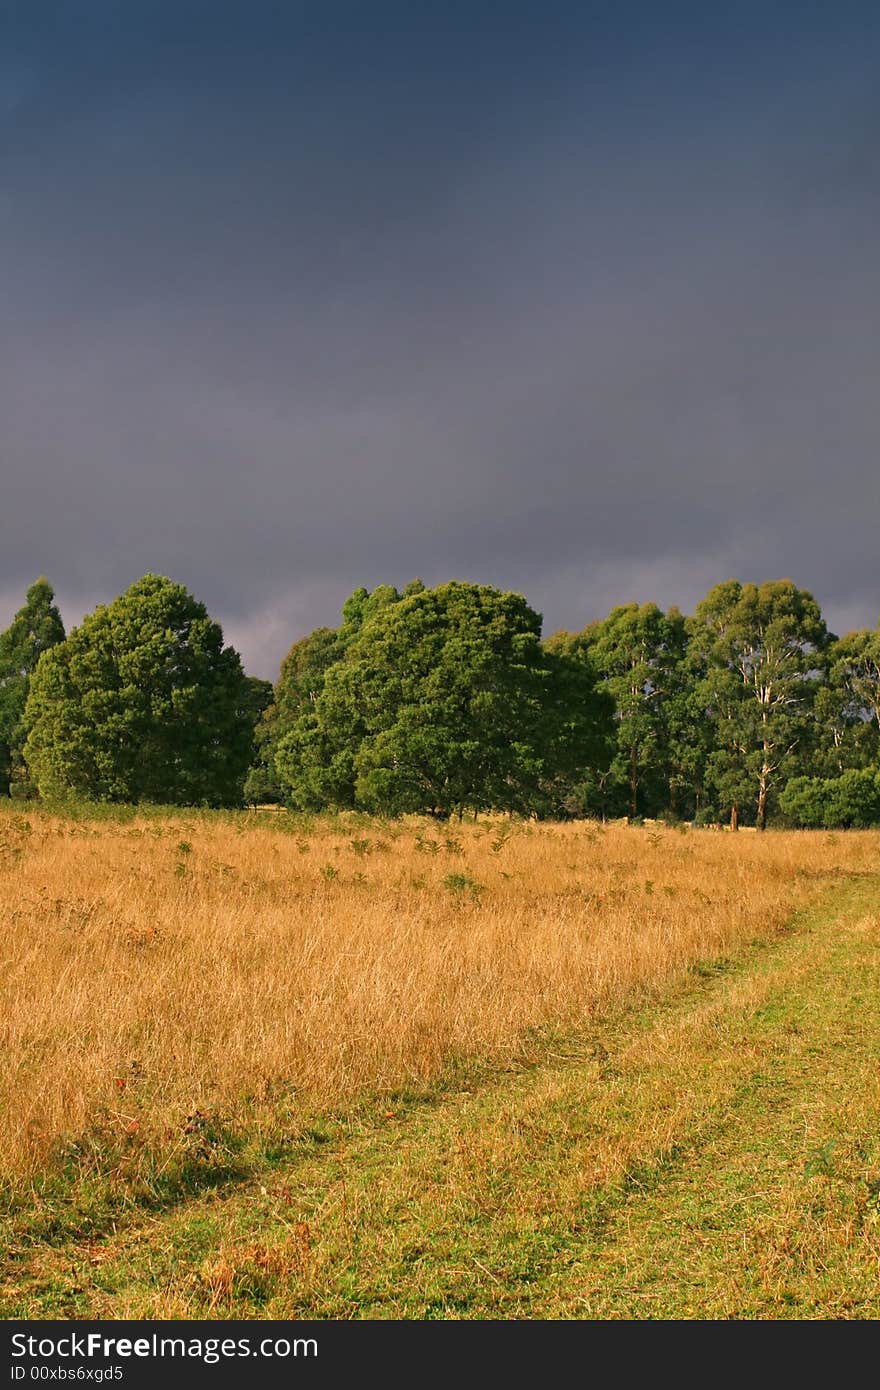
{"x": 715, "y": 1154}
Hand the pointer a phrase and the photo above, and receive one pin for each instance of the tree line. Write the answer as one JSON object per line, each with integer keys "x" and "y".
{"x": 446, "y": 701}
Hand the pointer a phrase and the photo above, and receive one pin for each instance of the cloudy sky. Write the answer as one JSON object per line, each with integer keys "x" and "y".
{"x": 581, "y": 299}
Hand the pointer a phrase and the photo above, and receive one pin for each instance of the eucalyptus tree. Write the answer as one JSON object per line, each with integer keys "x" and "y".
{"x": 637, "y": 652}
{"x": 849, "y": 706}
{"x": 760, "y": 651}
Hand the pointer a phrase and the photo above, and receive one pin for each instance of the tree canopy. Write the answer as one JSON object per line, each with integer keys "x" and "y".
{"x": 762, "y": 653}
{"x": 36, "y": 628}
{"x": 444, "y": 700}
{"x": 142, "y": 702}
{"x": 638, "y": 653}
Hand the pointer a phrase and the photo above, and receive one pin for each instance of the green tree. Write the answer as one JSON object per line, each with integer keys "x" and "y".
{"x": 844, "y": 736}
{"x": 300, "y": 683}
{"x": 258, "y": 782}
{"x": 142, "y": 702}
{"x": 638, "y": 652}
{"x": 688, "y": 745}
{"x": 298, "y": 687}
{"x": 302, "y": 673}
{"x": 848, "y": 707}
{"x": 761, "y": 650}
{"x": 35, "y": 629}
{"x": 579, "y": 730}
{"x": 849, "y": 802}
{"x": 443, "y": 701}
{"x": 363, "y": 605}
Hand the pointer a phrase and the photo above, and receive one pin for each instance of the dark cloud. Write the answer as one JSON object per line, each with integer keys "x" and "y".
{"x": 297, "y": 298}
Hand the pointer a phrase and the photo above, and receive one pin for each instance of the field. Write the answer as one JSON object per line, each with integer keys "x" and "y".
{"x": 261, "y": 1066}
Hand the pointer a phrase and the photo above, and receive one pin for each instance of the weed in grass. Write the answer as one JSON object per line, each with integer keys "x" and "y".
{"x": 425, "y": 844}
{"x": 820, "y": 1162}
{"x": 459, "y": 883}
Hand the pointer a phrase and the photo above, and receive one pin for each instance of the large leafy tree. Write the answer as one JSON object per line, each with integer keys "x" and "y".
{"x": 443, "y": 701}
{"x": 142, "y": 702}
{"x": 301, "y": 681}
{"x": 761, "y": 651}
{"x": 35, "y": 629}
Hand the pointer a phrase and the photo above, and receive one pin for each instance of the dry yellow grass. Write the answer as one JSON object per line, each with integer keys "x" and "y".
{"x": 157, "y": 972}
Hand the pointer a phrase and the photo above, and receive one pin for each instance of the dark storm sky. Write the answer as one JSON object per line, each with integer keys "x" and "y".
{"x": 578, "y": 299}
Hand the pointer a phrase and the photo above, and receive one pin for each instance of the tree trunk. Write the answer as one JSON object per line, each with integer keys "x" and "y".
{"x": 763, "y": 790}
{"x": 734, "y": 817}
{"x": 761, "y": 820}
{"x": 633, "y": 785}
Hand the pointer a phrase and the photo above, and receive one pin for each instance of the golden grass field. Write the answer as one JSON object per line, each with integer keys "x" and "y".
{"x": 166, "y": 978}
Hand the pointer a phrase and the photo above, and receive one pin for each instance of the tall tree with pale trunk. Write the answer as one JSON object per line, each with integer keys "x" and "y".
{"x": 762, "y": 649}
